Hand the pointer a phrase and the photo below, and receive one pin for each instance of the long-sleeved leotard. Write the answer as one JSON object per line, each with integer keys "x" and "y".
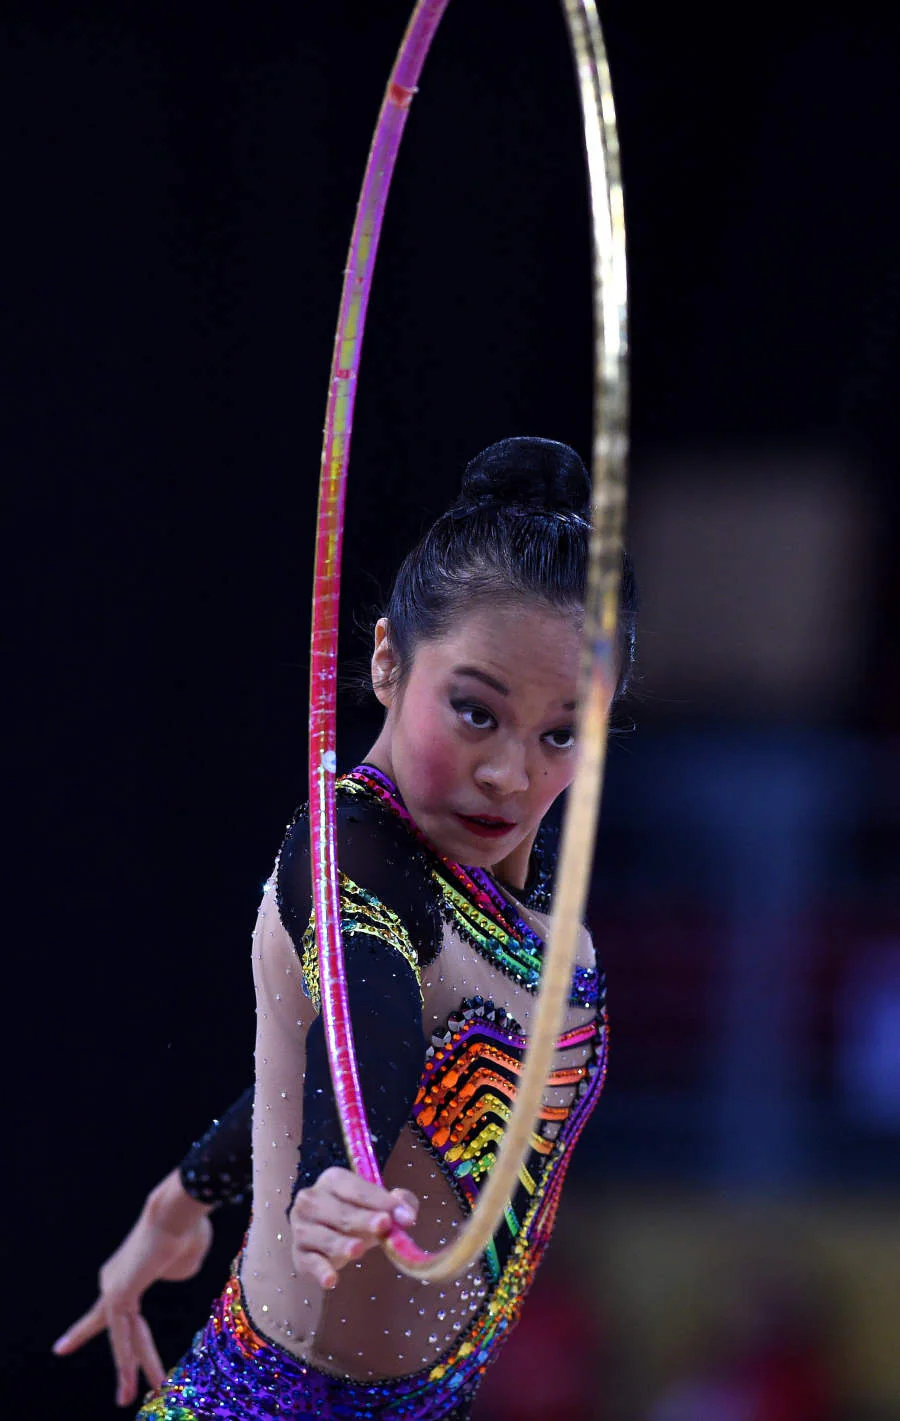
{"x": 217, "y": 1169}
{"x": 443, "y": 966}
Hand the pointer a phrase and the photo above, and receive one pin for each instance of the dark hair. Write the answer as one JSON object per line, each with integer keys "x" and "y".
{"x": 520, "y": 527}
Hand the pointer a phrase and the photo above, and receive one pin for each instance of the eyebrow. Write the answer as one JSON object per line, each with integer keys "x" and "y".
{"x": 491, "y": 681}
{"x": 494, "y": 684}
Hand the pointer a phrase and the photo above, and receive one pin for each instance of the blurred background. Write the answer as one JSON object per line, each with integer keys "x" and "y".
{"x": 179, "y": 186}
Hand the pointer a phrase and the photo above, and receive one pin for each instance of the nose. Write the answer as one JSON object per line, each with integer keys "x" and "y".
{"x": 505, "y": 770}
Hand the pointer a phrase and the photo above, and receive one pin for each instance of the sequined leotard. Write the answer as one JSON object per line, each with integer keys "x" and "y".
{"x": 443, "y": 966}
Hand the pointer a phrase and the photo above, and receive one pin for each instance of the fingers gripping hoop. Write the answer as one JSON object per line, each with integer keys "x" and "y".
{"x": 597, "y": 675}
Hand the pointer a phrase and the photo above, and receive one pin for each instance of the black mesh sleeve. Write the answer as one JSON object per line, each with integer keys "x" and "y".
{"x": 216, "y": 1169}
{"x": 386, "y": 1015}
{"x": 379, "y": 854}
{"x": 383, "y": 860}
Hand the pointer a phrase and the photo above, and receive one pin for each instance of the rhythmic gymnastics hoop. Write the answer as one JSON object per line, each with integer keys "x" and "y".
{"x": 597, "y": 671}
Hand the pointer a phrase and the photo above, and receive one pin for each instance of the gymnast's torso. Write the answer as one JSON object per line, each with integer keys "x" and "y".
{"x": 443, "y": 964}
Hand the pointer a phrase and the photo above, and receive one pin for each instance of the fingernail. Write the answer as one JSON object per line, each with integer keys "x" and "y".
{"x": 404, "y": 1214}
{"x": 59, "y": 1343}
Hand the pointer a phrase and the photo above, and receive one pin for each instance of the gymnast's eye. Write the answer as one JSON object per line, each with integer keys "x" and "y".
{"x": 561, "y": 739}
{"x": 473, "y": 715}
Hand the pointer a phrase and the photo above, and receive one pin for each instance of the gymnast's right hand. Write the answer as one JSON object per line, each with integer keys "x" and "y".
{"x": 340, "y": 1217}
{"x": 169, "y": 1241}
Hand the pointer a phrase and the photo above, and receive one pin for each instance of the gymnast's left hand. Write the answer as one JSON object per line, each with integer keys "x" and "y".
{"x": 169, "y": 1242}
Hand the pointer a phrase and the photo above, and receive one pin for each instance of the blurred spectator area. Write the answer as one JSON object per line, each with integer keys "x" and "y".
{"x": 707, "y": 1308}
{"x": 756, "y": 574}
{"x": 745, "y": 901}
{"x": 730, "y": 1246}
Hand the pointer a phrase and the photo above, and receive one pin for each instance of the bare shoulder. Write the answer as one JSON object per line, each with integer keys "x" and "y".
{"x": 276, "y": 964}
{"x": 270, "y": 936}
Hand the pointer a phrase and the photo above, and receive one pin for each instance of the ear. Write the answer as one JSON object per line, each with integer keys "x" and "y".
{"x": 384, "y": 663}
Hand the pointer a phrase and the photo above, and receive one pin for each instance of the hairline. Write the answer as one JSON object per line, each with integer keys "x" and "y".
{"x": 510, "y": 596}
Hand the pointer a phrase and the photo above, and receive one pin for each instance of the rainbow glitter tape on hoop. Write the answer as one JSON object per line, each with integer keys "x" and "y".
{"x": 597, "y": 672}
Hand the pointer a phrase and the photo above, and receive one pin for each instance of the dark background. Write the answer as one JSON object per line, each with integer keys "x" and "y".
{"x": 178, "y": 191}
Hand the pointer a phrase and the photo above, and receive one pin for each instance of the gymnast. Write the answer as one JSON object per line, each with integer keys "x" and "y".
{"x": 445, "y": 883}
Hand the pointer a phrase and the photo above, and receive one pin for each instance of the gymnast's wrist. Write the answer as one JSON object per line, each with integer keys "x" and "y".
{"x": 170, "y": 1208}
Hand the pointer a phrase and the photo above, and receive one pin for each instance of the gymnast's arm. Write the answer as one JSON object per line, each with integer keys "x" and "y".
{"x": 168, "y": 1242}
{"x": 335, "y": 1216}
{"x": 391, "y": 927}
{"x": 379, "y": 856}
{"x": 217, "y": 1168}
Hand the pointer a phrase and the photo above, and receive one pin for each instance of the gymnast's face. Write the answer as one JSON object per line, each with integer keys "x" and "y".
{"x": 480, "y": 735}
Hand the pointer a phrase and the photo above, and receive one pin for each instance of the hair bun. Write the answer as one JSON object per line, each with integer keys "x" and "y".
{"x": 538, "y": 474}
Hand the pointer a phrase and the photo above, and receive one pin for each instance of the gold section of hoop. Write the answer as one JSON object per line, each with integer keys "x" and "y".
{"x": 609, "y": 464}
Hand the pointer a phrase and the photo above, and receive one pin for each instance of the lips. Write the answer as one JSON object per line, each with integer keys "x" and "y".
{"x": 486, "y": 826}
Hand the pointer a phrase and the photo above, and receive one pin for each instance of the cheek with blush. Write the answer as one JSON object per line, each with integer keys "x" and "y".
{"x": 432, "y": 757}
{"x": 438, "y": 774}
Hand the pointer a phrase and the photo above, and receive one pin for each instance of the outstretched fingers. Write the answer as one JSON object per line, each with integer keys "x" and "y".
{"x": 124, "y": 1354}
{"x": 134, "y": 1352}
{"x": 130, "y": 1340}
{"x": 150, "y": 1360}
{"x": 91, "y": 1324}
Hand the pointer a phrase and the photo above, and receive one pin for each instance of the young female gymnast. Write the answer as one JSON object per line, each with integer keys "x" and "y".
{"x": 445, "y": 882}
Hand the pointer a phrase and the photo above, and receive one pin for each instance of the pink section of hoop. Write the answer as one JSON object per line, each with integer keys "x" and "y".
{"x": 326, "y": 592}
